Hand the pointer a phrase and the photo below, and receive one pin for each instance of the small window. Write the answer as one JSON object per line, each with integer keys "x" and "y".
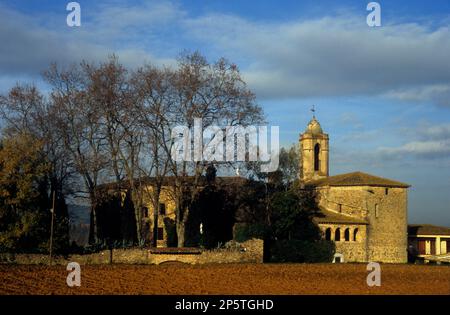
{"x": 355, "y": 235}
{"x": 317, "y": 157}
{"x": 347, "y": 235}
{"x": 145, "y": 212}
{"x": 339, "y": 208}
{"x": 328, "y": 234}
{"x": 337, "y": 235}
{"x": 160, "y": 234}
{"x": 376, "y": 211}
{"x": 162, "y": 209}
{"x": 386, "y": 191}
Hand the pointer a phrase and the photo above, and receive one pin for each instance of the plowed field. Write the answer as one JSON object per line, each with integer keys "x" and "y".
{"x": 250, "y": 279}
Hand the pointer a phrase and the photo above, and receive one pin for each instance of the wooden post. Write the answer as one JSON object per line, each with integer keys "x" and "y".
{"x": 51, "y": 228}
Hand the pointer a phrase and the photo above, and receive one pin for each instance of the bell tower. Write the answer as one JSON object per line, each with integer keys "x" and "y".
{"x": 314, "y": 152}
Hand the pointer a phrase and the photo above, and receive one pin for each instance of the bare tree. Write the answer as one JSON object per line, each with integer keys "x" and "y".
{"x": 154, "y": 92}
{"x": 121, "y": 127}
{"x": 78, "y": 123}
{"x": 216, "y": 94}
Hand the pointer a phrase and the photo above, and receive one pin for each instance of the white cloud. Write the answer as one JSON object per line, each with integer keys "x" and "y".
{"x": 427, "y": 149}
{"x": 437, "y": 93}
{"x": 331, "y": 56}
{"x": 139, "y": 23}
{"x": 434, "y": 131}
{"x": 319, "y": 57}
{"x": 28, "y": 46}
{"x": 426, "y": 141}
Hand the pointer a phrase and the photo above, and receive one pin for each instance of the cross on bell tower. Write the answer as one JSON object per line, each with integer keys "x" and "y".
{"x": 314, "y": 151}
{"x": 313, "y": 110}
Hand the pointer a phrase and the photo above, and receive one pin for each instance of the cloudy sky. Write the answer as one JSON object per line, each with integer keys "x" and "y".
{"x": 383, "y": 94}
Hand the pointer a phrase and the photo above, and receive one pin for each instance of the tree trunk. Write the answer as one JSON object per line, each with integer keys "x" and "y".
{"x": 93, "y": 231}
{"x": 155, "y": 202}
{"x": 180, "y": 234}
{"x": 181, "y": 226}
{"x": 137, "y": 205}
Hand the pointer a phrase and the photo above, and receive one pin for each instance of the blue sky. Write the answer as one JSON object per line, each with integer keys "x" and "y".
{"x": 382, "y": 94}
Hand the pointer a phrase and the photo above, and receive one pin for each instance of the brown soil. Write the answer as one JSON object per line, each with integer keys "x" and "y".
{"x": 250, "y": 279}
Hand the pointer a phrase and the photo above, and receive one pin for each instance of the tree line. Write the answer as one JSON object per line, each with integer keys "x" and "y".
{"x": 102, "y": 123}
{"x": 99, "y": 125}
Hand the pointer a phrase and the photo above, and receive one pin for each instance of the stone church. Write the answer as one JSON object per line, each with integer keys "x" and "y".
{"x": 365, "y": 215}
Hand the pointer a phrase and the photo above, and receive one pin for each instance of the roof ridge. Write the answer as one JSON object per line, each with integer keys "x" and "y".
{"x": 324, "y": 215}
{"x": 357, "y": 178}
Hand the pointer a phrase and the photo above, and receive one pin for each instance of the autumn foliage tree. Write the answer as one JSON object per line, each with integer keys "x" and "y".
{"x": 33, "y": 167}
{"x": 23, "y": 170}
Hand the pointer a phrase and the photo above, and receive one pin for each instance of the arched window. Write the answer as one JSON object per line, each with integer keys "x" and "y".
{"x": 355, "y": 235}
{"x": 347, "y": 235}
{"x": 328, "y": 234}
{"x": 337, "y": 235}
{"x": 316, "y": 157}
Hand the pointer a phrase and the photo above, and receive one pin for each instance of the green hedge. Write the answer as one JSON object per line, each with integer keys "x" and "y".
{"x": 284, "y": 251}
{"x": 246, "y": 232}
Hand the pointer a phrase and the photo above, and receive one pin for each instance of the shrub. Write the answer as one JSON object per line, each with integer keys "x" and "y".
{"x": 300, "y": 251}
{"x": 246, "y": 232}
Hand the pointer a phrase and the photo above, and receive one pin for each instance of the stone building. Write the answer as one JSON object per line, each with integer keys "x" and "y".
{"x": 165, "y": 214}
{"x": 116, "y": 216}
{"x": 365, "y": 215}
{"x": 429, "y": 243}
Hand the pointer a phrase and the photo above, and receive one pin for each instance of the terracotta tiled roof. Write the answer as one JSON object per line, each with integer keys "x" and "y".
{"x": 326, "y": 216}
{"x": 356, "y": 179}
{"x": 427, "y": 229}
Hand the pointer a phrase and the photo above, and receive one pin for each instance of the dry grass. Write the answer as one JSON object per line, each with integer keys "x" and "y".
{"x": 251, "y": 279}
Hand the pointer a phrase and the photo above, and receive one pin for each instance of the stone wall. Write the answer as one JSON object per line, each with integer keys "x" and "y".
{"x": 385, "y": 209}
{"x": 352, "y": 250}
{"x": 387, "y": 241}
{"x": 348, "y": 200}
{"x": 251, "y": 252}
{"x": 166, "y": 198}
